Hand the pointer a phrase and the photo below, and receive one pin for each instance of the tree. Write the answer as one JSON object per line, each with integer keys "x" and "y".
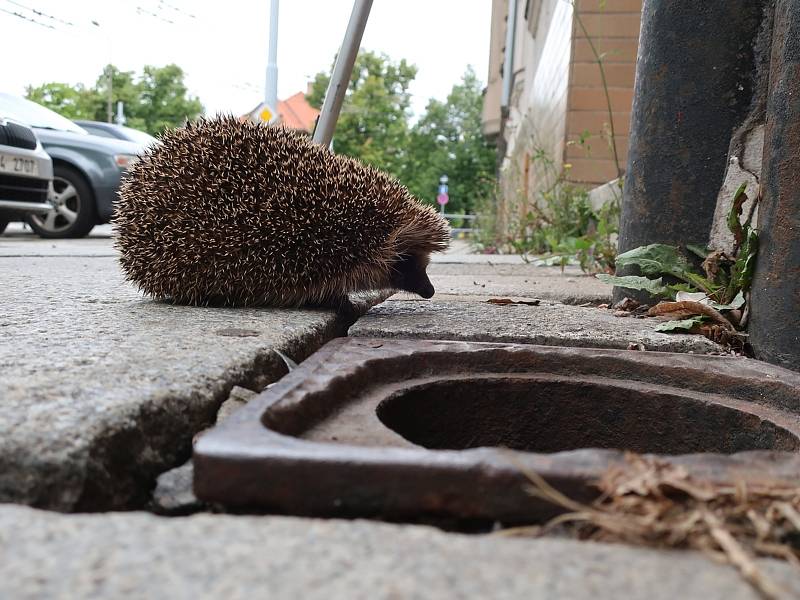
{"x": 157, "y": 99}
{"x": 448, "y": 140}
{"x": 373, "y": 125}
{"x": 164, "y": 100}
{"x": 74, "y": 102}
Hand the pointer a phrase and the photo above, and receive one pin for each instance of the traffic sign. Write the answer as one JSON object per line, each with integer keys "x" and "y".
{"x": 443, "y": 198}
{"x": 264, "y": 113}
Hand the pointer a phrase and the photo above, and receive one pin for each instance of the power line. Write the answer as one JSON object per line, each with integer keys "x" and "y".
{"x": 26, "y": 18}
{"x": 40, "y": 13}
{"x": 144, "y": 11}
{"x": 176, "y": 9}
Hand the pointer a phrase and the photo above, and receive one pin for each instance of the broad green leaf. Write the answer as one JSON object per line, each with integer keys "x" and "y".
{"x": 682, "y": 325}
{"x": 746, "y": 261}
{"x": 656, "y": 259}
{"x": 634, "y": 282}
{"x": 700, "y": 282}
{"x": 735, "y": 304}
{"x": 699, "y": 251}
{"x": 734, "y": 224}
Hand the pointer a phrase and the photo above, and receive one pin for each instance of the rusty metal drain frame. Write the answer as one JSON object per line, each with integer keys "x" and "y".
{"x": 254, "y": 461}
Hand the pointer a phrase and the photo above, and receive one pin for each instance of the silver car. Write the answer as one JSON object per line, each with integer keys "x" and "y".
{"x": 26, "y": 173}
{"x": 86, "y": 169}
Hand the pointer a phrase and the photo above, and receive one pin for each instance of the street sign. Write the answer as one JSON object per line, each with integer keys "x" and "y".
{"x": 443, "y": 198}
{"x": 264, "y": 113}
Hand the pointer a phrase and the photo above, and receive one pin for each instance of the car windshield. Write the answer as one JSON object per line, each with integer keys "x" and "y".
{"x": 35, "y": 115}
{"x": 138, "y": 136}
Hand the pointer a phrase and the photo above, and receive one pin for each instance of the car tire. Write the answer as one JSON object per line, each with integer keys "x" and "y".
{"x": 75, "y": 212}
{"x": 3, "y": 225}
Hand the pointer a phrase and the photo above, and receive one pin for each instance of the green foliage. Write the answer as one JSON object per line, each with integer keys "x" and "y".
{"x": 560, "y": 225}
{"x": 74, "y": 102}
{"x": 374, "y": 126}
{"x": 660, "y": 259}
{"x": 726, "y": 280}
{"x": 156, "y": 99}
{"x": 684, "y": 325}
{"x": 447, "y": 139}
{"x": 635, "y": 282}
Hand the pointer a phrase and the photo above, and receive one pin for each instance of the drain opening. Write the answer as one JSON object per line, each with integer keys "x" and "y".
{"x": 553, "y": 416}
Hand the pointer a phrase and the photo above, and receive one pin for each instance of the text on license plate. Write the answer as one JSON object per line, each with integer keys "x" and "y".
{"x": 17, "y": 165}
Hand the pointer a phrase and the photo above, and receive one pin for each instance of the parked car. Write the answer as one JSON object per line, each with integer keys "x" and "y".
{"x": 86, "y": 169}
{"x": 119, "y": 132}
{"x": 26, "y": 173}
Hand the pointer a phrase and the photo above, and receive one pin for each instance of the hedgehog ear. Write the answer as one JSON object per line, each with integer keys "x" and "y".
{"x": 409, "y": 275}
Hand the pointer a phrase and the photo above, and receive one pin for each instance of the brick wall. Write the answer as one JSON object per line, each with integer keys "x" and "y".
{"x": 558, "y": 96}
{"x": 537, "y": 122}
{"x": 614, "y": 31}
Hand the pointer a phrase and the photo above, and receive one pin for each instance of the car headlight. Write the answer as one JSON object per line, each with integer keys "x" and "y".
{"x": 124, "y": 161}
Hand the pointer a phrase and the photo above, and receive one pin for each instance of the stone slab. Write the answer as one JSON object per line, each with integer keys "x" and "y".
{"x": 137, "y": 555}
{"x": 19, "y": 240}
{"x": 483, "y": 280}
{"x": 102, "y": 389}
{"x": 549, "y": 324}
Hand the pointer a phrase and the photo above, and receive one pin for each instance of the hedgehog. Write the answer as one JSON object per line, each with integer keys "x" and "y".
{"x": 226, "y": 212}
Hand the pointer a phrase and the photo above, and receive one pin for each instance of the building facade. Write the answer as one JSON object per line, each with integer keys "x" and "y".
{"x": 546, "y": 103}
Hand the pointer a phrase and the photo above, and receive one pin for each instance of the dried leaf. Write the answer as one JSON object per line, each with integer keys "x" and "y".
{"x": 507, "y": 301}
{"x": 687, "y": 308}
{"x": 653, "y": 502}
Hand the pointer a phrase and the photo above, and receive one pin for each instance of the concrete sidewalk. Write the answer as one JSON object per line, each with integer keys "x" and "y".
{"x": 101, "y": 390}
{"x": 567, "y": 314}
{"x": 136, "y": 555}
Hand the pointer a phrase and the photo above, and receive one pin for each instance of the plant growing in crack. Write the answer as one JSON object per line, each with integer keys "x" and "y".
{"x": 713, "y": 303}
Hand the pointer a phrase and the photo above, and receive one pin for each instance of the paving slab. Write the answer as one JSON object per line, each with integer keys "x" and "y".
{"x": 485, "y": 280}
{"x": 102, "y": 389}
{"x": 549, "y": 323}
{"x": 18, "y": 240}
{"x": 137, "y": 555}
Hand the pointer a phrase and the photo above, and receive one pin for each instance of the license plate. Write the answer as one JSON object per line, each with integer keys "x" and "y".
{"x": 18, "y": 166}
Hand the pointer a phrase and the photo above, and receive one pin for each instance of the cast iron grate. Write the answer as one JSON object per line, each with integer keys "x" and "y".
{"x": 405, "y": 429}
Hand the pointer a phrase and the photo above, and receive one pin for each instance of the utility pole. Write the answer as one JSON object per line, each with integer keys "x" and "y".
{"x": 334, "y": 96}
{"x": 110, "y": 95}
{"x": 109, "y": 77}
{"x": 271, "y": 87}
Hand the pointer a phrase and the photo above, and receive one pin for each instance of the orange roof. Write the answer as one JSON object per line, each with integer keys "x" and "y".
{"x": 297, "y": 113}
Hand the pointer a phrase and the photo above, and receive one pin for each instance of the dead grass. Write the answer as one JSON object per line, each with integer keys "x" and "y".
{"x": 653, "y": 503}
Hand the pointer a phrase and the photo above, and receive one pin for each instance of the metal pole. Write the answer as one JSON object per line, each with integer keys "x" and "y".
{"x": 271, "y": 87}
{"x": 775, "y": 300}
{"x": 110, "y": 95}
{"x": 323, "y": 133}
{"x": 689, "y": 125}
{"x": 508, "y": 62}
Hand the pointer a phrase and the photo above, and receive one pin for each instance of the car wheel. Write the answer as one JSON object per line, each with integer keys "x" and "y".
{"x": 3, "y": 225}
{"x": 74, "y": 213}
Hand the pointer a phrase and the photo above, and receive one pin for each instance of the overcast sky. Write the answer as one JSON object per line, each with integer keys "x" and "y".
{"x": 222, "y": 46}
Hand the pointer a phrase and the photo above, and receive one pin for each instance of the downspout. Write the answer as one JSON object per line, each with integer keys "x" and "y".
{"x": 508, "y": 79}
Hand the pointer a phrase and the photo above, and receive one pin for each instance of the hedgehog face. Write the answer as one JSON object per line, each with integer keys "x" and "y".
{"x": 408, "y": 274}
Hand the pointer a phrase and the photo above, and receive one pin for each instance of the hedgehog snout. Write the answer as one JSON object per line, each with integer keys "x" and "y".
{"x": 409, "y": 275}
